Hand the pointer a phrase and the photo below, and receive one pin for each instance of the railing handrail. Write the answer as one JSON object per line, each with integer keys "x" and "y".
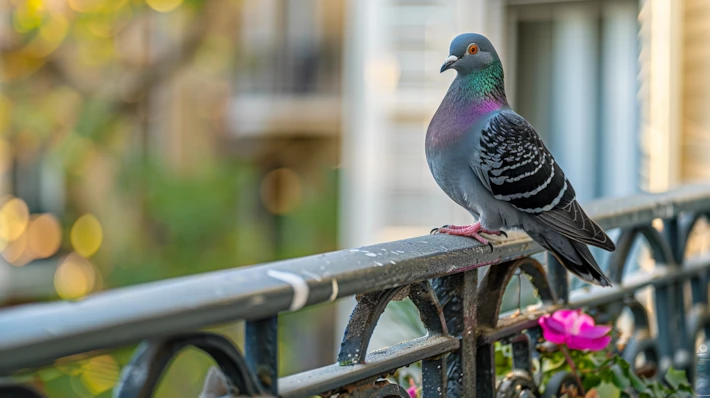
{"x": 35, "y": 334}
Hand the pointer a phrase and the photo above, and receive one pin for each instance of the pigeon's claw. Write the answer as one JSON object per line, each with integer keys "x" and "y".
{"x": 494, "y": 233}
{"x": 437, "y": 230}
{"x": 472, "y": 231}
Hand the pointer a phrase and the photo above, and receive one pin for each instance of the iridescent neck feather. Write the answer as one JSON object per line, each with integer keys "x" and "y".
{"x": 469, "y": 98}
{"x": 480, "y": 92}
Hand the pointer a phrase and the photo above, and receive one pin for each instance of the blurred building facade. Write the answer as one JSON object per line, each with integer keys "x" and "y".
{"x": 695, "y": 88}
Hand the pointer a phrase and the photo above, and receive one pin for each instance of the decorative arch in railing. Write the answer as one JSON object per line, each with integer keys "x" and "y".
{"x": 151, "y": 359}
{"x": 439, "y": 274}
{"x": 641, "y": 342}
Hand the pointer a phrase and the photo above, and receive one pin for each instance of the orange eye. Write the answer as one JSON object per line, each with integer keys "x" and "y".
{"x": 473, "y": 48}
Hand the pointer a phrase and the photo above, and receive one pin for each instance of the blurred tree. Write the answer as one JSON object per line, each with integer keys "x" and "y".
{"x": 115, "y": 108}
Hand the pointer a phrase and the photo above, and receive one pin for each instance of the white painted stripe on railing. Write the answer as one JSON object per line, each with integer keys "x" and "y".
{"x": 299, "y": 285}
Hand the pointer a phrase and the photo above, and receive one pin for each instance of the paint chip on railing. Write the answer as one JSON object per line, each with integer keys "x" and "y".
{"x": 298, "y": 284}
{"x": 258, "y": 300}
{"x": 334, "y": 294}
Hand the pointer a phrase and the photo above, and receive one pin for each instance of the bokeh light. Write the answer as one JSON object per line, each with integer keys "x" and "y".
{"x": 657, "y": 223}
{"x": 281, "y": 190}
{"x": 86, "y": 235}
{"x": 16, "y": 253}
{"x": 28, "y": 15}
{"x": 100, "y": 374}
{"x": 164, "y": 5}
{"x": 44, "y": 236}
{"x": 50, "y": 36}
{"x": 75, "y": 277}
{"x": 94, "y": 6}
{"x": 5, "y": 155}
{"x": 383, "y": 74}
{"x": 5, "y": 111}
{"x": 14, "y": 216}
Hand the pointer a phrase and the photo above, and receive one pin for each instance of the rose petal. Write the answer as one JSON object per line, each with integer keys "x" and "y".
{"x": 553, "y": 337}
{"x": 581, "y": 343}
{"x": 412, "y": 391}
{"x": 552, "y": 324}
{"x": 584, "y": 319}
{"x": 574, "y": 328}
{"x": 565, "y": 317}
{"x": 593, "y": 332}
{"x": 564, "y": 313}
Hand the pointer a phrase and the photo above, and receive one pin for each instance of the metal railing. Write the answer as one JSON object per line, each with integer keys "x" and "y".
{"x": 439, "y": 273}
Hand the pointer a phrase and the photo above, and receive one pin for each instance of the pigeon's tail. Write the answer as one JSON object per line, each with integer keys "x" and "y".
{"x": 574, "y": 256}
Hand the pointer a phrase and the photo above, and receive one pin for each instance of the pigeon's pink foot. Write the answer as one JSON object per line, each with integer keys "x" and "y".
{"x": 472, "y": 231}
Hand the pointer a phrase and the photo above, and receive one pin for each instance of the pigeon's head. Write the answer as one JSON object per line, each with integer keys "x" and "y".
{"x": 469, "y": 53}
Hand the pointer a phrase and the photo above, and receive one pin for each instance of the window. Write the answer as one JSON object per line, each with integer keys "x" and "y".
{"x": 575, "y": 79}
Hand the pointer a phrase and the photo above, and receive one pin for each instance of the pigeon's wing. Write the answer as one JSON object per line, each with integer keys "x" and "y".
{"x": 516, "y": 167}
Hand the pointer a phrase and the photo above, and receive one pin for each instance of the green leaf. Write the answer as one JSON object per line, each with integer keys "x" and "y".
{"x": 503, "y": 359}
{"x": 599, "y": 359}
{"x": 606, "y": 374}
{"x": 636, "y": 382}
{"x": 619, "y": 377}
{"x": 676, "y": 378}
{"x": 659, "y": 390}
{"x": 591, "y": 380}
{"x": 622, "y": 363}
{"x": 586, "y": 362}
{"x": 554, "y": 366}
{"x": 607, "y": 390}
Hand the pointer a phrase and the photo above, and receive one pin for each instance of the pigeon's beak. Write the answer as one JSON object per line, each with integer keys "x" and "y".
{"x": 449, "y": 62}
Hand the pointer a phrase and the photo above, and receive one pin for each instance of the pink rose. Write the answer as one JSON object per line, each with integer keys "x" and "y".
{"x": 575, "y": 329}
{"x": 412, "y": 390}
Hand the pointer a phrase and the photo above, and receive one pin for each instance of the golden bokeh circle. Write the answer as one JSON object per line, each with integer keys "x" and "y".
{"x": 75, "y": 277}
{"x": 281, "y": 190}
{"x": 14, "y": 216}
{"x": 44, "y": 235}
{"x": 86, "y": 235}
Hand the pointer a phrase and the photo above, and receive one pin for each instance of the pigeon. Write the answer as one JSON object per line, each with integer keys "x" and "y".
{"x": 491, "y": 161}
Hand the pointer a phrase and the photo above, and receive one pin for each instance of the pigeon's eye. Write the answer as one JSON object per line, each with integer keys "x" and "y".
{"x": 473, "y": 48}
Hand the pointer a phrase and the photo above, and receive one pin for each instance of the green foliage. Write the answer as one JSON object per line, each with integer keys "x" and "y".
{"x": 612, "y": 376}
{"x": 619, "y": 372}
{"x": 406, "y": 315}
{"x": 127, "y": 105}
{"x": 504, "y": 359}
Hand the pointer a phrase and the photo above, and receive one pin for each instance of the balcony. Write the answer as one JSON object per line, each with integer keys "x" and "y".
{"x": 458, "y": 305}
